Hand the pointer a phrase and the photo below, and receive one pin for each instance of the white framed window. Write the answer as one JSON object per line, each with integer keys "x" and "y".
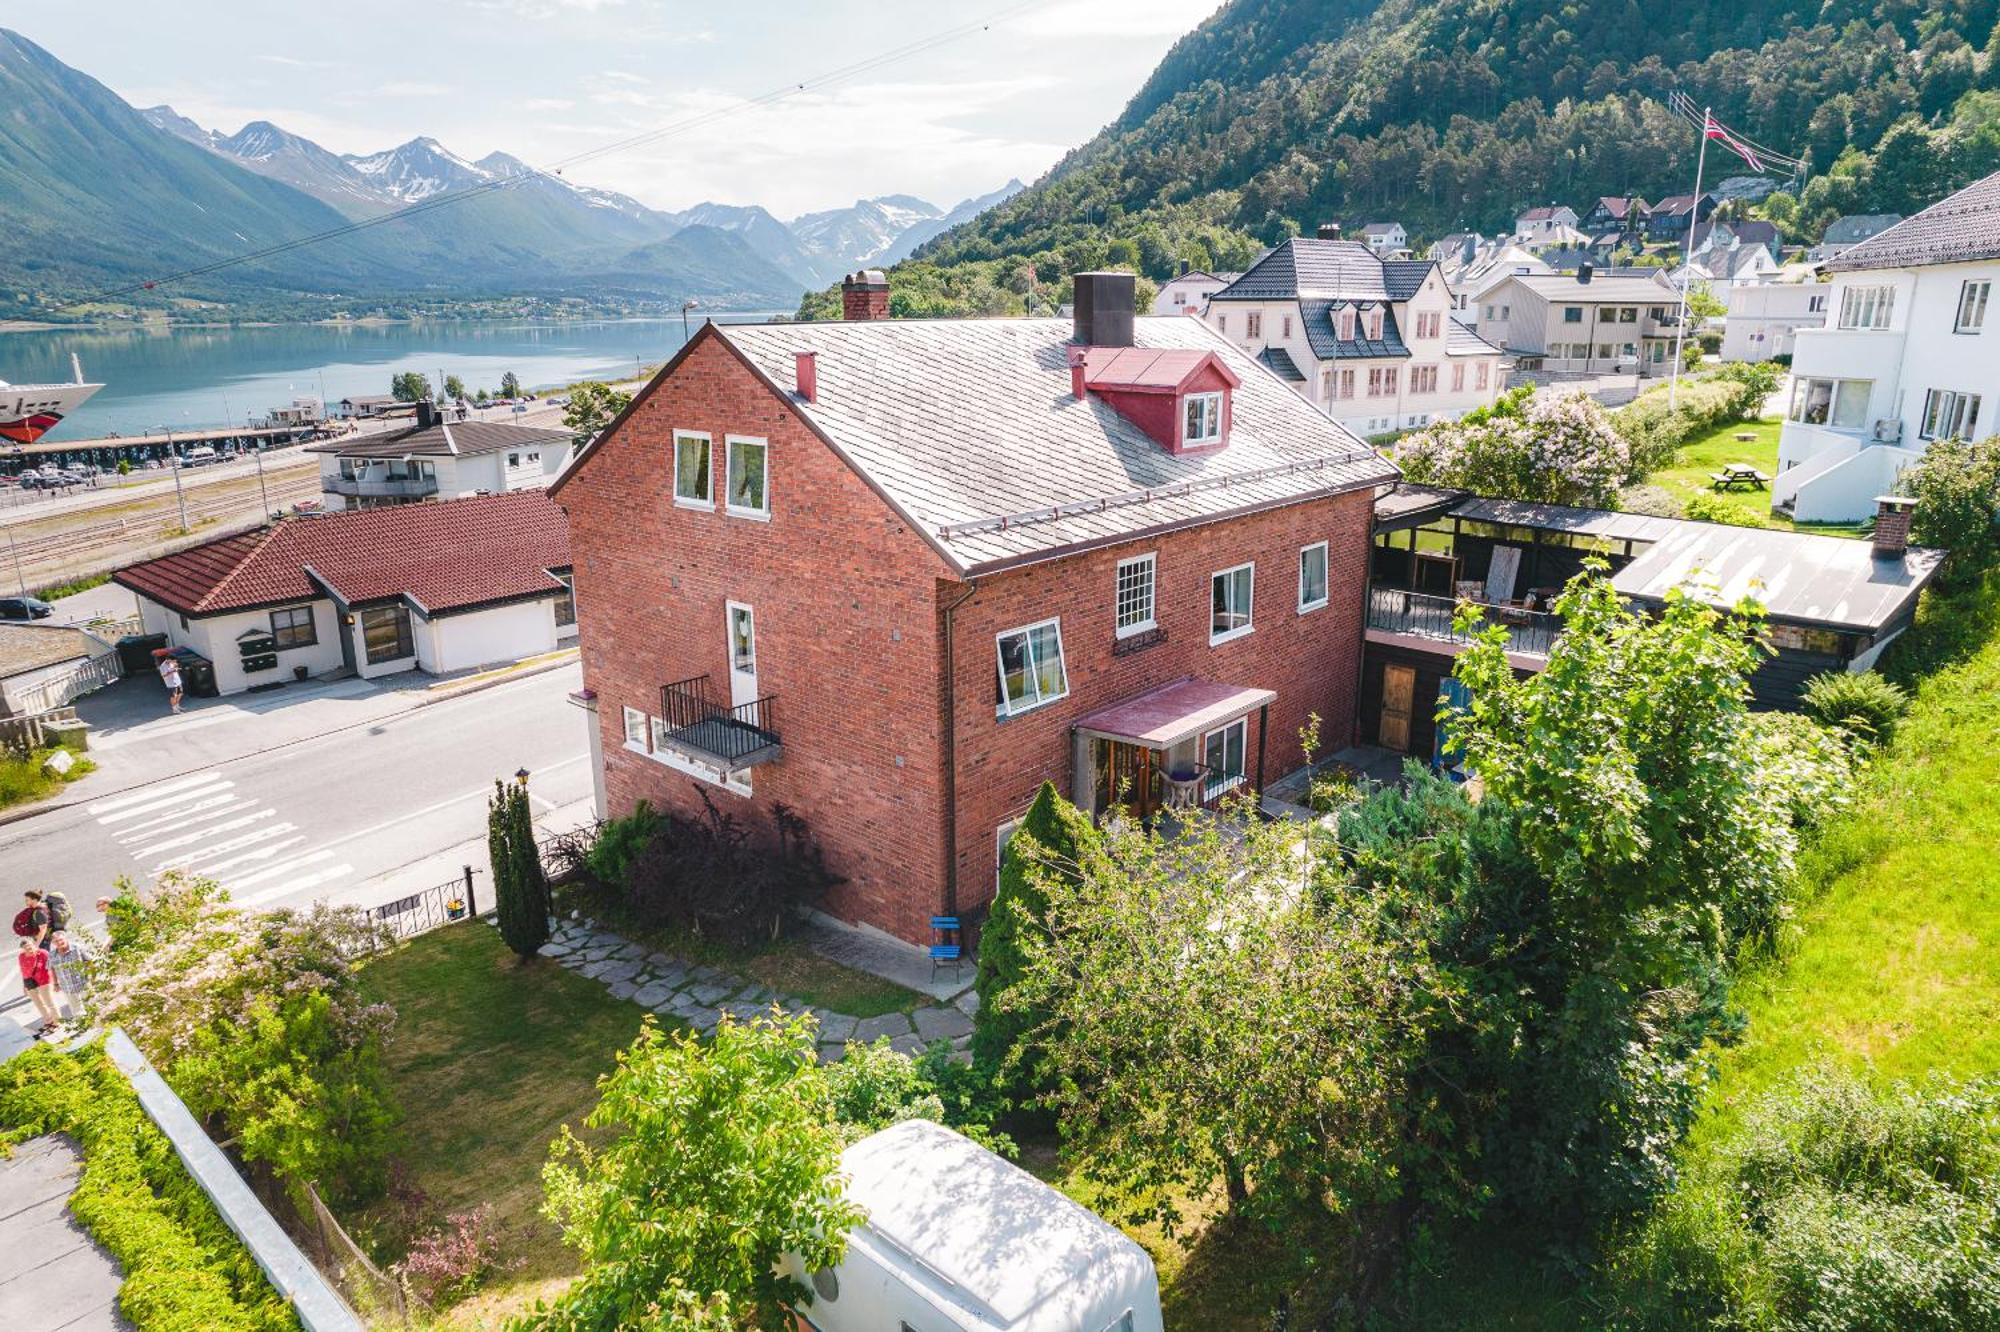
{"x": 1423, "y": 379}
{"x": 749, "y": 492}
{"x": 1253, "y": 324}
{"x": 693, "y": 470}
{"x": 1484, "y": 369}
{"x": 1344, "y": 324}
{"x": 1375, "y": 324}
{"x": 1382, "y": 382}
{"x": 1949, "y": 414}
{"x": 1867, "y": 307}
{"x": 1201, "y": 418}
{"x": 1286, "y": 324}
{"x": 635, "y": 729}
{"x": 1840, "y": 403}
{"x": 1312, "y": 577}
{"x": 1222, "y": 755}
{"x": 1972, "y": 307}
{"x": 1031, "y": 667}
{"x": 1343, "y": 383}
{"x": 1222, "y": 323}
{"x": 1231, "y": 593}
{"x": 1458, "y": 377}
{"x": 1135, "y": 596}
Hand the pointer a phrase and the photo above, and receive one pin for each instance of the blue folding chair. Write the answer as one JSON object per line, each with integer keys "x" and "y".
{"x": 945, "y": 944}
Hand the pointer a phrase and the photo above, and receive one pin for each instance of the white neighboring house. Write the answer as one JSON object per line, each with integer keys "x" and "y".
{"x": 1387, "y": 239}
{"x": 1910, "y": 353}
{"x": 1583, "y": 324}
{"x": 1844, "y": 233}
{"x": 1537, "y": 225}
{"x": 1188, "y": 292}
{"x": 432, "y": 587}
{"x": 1370, "y": 342}
{"x": 955, "y": 1237}
{"x": 1474, "y": 270}
{"x": 438, "y": 459}
{"x": 1764, "y": 318}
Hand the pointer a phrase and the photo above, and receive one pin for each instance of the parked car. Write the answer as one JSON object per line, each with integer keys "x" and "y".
{"x": 25, "y": 608}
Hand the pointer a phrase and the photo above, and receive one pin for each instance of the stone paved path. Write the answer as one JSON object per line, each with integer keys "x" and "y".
{"x": 700, "y": 995}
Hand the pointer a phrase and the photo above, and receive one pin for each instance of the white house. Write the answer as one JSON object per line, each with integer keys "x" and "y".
{"x": 438, "y": 459}
{"x": 44, "y": 665}
{"x": 1475, "y": 269}
{"x": 1909, "y": 355}
{"x": 1188, "y": 292}
{"x": 1583, "y": 323}
{"x": 432, "y": 587}
{"x": 1369, "y": 341}
{"x": 955, "y": 1237}
{"x": 1844, "y": 233}
{"x": 1387, "y": 239}
{"x": 1765, "y": 317}
{"x": 1537, "y": 225}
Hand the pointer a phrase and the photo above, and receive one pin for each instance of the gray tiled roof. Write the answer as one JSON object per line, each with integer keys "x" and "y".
{"x": 1854, "y": 228}
{"x": 1405, "y": 277}
{"x": 1564, "y": 287}
{"x": 961, "y": 422}
{"x": 1460, "y": 340}
{"x": 1280, "y": 363}
{"x": 453, "y": 439}
{"x": 1309, "y": 269}
{"x": 1318, "y": 318}
{"x": 1960, "y": 228}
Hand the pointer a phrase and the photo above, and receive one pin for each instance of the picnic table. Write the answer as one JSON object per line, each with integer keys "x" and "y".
{"x": 1738, "y": 476}
{"x": 1746, "y": 437}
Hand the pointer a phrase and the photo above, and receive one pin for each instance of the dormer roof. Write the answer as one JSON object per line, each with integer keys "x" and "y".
{"x": 1150, "y": 369}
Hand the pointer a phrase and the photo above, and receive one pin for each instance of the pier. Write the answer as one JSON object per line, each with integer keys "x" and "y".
{"x": 108, "y": 450}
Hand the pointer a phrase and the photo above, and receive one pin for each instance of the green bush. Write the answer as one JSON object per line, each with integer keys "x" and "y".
{"x": 1653, "y": 432}
{"x": 184, "y": 1271}
{"x": 520, "y": 888}
{"x": 874, "y": 1086}
{"x": 1704, "y": 507}
{"x": 619, "y": 843}
{"x": 1957, "y": 489}
{"x": 1865, "y": 705}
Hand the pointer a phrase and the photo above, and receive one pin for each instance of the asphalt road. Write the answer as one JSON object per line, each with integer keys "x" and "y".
{"x": 365, "y": 814}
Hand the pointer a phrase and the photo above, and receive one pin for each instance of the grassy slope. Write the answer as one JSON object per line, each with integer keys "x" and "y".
{"x": 490, "y": 1058}
{"x": 1704, "y": 455}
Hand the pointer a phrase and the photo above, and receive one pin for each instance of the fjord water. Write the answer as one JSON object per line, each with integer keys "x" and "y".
{"x": 190, "y": 378}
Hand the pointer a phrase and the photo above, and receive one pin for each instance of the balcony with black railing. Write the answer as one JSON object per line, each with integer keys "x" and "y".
{"x": 701, "y": 728}
{"x": 1398, "y": 611}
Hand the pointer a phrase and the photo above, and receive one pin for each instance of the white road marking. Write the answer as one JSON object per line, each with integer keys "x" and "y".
{"x": 229, "y": 825}
{"x": 261, "y": 853}
{"x": 154, "y": 793}
{"x": 207, "y": 807}
{"x": 206, "y": 854}
{"x": 215, "y": 788}
{"x": 284, "y": 867}
{"x": 428, "y": 810}
{"x": 290, "y": 886}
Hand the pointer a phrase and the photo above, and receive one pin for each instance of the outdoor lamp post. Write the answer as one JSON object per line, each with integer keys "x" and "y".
{"x": 521, "y": 776}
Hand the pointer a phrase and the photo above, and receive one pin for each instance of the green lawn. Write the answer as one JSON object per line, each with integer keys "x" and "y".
{"x": 25, "y": 780}
{"x": 489, "y": 1058}
{"x": 1703, "y": 456}
{"x": 785, "y": 965}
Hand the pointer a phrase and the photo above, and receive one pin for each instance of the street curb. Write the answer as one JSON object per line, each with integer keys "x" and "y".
{"x": 26, "y": 812}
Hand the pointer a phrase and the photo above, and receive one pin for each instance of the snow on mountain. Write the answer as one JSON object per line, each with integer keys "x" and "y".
{"x": 417, "y": 170}
{"x": 917, "y": 233}
{"x": 173, "y": 122}
{"x": 841, "y": 239}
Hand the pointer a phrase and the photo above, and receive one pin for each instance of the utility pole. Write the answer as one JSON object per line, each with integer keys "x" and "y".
{"x": 1687, "y": 258}
{"x": 174, "y": 461}
{"x": 262, "y": 494}
{"x": 20, "y": 579}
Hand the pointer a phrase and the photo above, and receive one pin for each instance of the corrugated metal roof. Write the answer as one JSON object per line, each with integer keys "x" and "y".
{"x": 1566, "y": 518}
{"x": 451, "y": 439}
{"x": 969, "y": 427}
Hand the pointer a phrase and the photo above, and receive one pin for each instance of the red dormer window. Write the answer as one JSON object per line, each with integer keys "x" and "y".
{"x": 1201, "y": 420}
{"x": 1180, "y": 398}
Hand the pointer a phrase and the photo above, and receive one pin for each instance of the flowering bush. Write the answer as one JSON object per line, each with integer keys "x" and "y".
{"x": 1554, "y": 450}
{"x": 447, "y": 1263}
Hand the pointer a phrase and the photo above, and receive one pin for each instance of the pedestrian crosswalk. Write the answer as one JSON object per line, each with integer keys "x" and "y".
{"x": 205, "y": 824}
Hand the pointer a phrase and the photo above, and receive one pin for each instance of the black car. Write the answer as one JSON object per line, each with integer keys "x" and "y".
{"x": 25, "y": 608}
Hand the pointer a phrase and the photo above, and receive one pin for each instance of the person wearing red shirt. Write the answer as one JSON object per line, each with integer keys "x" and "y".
{"x": 40, "y": 984}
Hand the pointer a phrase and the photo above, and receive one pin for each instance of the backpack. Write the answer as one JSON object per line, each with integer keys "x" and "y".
{"x": 58, "y": 907}
{"x": 24, "y": 922}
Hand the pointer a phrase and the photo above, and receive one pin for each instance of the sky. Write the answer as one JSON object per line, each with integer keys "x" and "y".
{"x": 547, "y": 79}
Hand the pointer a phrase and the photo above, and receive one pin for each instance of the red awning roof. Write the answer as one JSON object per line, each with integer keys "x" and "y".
{"x": 1163, "y": 717}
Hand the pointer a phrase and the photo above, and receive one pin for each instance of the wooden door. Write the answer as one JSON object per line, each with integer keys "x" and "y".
{"x": 1125, "y": 776}
{"x": 1399, "y": 692}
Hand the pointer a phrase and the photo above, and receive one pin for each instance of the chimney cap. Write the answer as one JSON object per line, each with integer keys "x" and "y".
{"x": 1895, "y": 502}
{"x": 1329, "y": 231}
{"x": 867, "y": 277}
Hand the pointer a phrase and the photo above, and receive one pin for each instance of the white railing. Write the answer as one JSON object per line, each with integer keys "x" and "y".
{"x": 59, "y": 691}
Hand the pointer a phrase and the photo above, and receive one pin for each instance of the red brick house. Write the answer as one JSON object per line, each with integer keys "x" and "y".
{"x": 895, "y": 574}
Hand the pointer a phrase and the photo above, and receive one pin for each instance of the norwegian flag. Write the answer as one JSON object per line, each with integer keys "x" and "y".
{"x": 1714, "y": 130}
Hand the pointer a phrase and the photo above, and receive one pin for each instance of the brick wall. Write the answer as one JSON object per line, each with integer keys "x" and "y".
{"x": 846, "y": 631}
{"x": 1310, "y": 660}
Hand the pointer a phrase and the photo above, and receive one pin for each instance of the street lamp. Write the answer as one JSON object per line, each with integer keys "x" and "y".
{"x": 521, "y": 776}
{"x": 685, "y": 307}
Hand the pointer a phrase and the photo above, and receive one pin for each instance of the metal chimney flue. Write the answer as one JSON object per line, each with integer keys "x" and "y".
{"x": 1585, "y": 271}
{"x": 427, "y": 414}
{"x": 1104, "y": 304}
{"x": 1329, "y": 231}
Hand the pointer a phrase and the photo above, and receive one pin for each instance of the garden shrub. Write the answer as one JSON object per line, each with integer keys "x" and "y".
{"x": 738, "y": 881}
{"x": 874, "y": 1086}
{"x": 1704, "y": 507}
{"x": 1557, "y": 450}
{"x": 520, "y": 885}
{"x": 618, "y": 843}
{"x": 184, "y": 1271}
{"x": 448, "y": 1262}
{"x": 1653, "y": 501}
{"x": 1653, "y": 432}
{"x": 1957, "y": 489}
{"x": 1863, "y": 704}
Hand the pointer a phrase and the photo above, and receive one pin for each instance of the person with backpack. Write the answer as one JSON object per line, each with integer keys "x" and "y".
{"x": 44, "y": 914}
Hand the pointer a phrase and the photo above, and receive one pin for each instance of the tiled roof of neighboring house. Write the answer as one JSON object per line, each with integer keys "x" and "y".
{"x": 1460, "y": 340}
{"x": 1305, "y": 268}
{"x": 1744, "y": 259}
{"x": 960, "y": 423}
{"x": 1280, "y": 363}
{"x": 1619, "y": 207}
{"x": 1958, "y": 229}
{"x": 30, "y": 647}
{"x": 1381, "y": 229}
{"x": 448, "y": 439}
{"x": 1857, "y": 227}
{"x": 1545, "y": 213}
{"x": 1601, "y": 287}
{"x": 1320, "y": 320}
{"x": 452, "y": 555}
{"x": 1674, "y": 205}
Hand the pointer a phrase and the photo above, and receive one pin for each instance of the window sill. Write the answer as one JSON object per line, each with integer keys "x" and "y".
{"x": 1000, "y": 712}
{"x": 1307, "y": 608}
{"x": 1217, "y": 640}
{"x": 755, "y": 515}
{"x": 1125, "y": 644}
{"x": 698, "y": 506}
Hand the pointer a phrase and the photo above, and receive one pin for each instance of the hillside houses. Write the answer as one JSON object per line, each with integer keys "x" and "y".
{"x": 1582, "y": 323}
{"x": 1372, "y": 342}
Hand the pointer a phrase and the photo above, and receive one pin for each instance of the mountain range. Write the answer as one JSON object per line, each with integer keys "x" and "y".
{"x": 96, "y": 194}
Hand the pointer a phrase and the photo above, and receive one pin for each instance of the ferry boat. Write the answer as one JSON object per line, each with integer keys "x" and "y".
{"x": 29, "y": 411}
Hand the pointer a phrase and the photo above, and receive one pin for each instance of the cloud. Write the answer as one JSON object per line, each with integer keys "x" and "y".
{"x": 407, "y": 88}
{"x": 543, "y": 9}
{"x": 548, "y": 104}
{"x": 293, "y": 62}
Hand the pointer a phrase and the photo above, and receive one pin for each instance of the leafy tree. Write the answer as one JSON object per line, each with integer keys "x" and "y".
{"x": 1705, "y": 304}
{"x": 520, "y": 888}
{"x": 410, "y": 386}
{"x": 454, "y": 388}
{"x": 510, "y": 385}
{"x": 591, "y": 408}
{"x": 874, "y": 1086}
{"x": 481, "y": 397}
{"x": 1208, "y": 1020}
{"x": 1051, "y": 841}
{"x": 1559, "y": 450}
{"x": 124, "y": 467}
{"x": 1957, "y": 489}
{"x": 724, "y": 1157}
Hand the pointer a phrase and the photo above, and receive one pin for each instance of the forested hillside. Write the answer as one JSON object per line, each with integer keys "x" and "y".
{"x": 1275, "y": 115}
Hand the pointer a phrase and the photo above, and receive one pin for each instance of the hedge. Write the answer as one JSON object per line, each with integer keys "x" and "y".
{"x": 1653, "y": 432}
{"x": 185, "y": 1271}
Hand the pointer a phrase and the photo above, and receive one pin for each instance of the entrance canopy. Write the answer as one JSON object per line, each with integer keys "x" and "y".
{"x": 1184, "y": 710}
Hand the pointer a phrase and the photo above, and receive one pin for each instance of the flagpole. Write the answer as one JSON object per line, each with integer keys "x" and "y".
{"x": 1687, "y": 259}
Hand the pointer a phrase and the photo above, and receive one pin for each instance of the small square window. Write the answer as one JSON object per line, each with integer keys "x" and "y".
{"x": 635, "y": 728}
{"x": 692, "y": 471}
{"x": 1202, "y": 419}
{"x": 1031, "y": 667}
{"x": 749, "y": 481}
{"x": 1312, "y": 577}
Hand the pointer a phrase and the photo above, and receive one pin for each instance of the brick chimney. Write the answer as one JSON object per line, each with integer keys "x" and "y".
{"x": 1329, "y": 231}
{"x": 864, "y": 295}
{"x": 1892, "y": 525}
{"x": 1103, "y": 306}
{"x": 808, "y": 375}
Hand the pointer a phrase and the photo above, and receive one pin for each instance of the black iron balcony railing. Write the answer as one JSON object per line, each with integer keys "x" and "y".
{"x": 1398, "y": 611}
{"x": 698, "y": 727}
